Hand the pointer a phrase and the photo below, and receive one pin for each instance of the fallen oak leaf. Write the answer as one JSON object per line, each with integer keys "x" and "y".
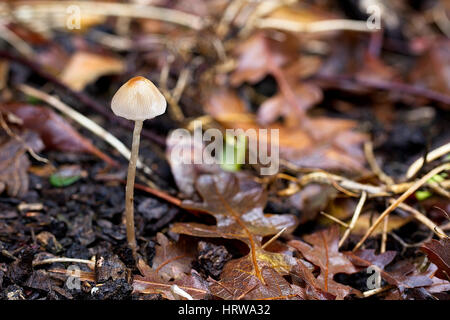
{"x": 238, "y": 281}
{"x": 55, "y": 131}
{"x": 323, "y": 251}
{"x": 239, "y": 215}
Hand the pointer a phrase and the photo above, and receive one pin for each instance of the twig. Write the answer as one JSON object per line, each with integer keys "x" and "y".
{"x": 410, "y": 245}
{"x": 313, "y": 27}
{"x": 175, "y": 109}
{"x": 58, "y": 260}
{"x": 373, "y": 292}
{"x": 83, "y": 121}
{"x": 342, "y": 80}
{"x": 275, "y": 237}
{"x": 368, "y": 150}
{"x": 384, "y": 234}
{"x": 229, "y": 14}
{"x": 21, "y": 46}
{"x": 431, "y": 156}
{"x": 262, "y": 9}
{"x": 402, "y": 198}
{"x": 325, "y": 177}
{"x": 355, "y": 217}
{"x": 422, "y": 218}
{"x": 158, "y": 193}
{"x": 114, "y": 9}
{"x": 342, "y": 223}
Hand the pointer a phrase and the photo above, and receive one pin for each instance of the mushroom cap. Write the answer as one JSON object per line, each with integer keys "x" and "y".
{"x": 138, "y": 99}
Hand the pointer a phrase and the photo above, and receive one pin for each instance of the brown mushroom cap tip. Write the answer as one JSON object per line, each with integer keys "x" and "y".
{"x": 138, "y": 99}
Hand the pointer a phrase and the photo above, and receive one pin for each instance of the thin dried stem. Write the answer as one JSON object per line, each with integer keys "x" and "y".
{"x": 313, "y": 27}
{"x": 431, "y": 156}
{"x": 108, "y": 9}
{"x": 21, "y": 46}
{"x": 402, "y": 198}
{"x": 275, "y": 237}
{"x": 384, "y": 235}
{"x": 373, "y": 292}
{"x": 355, "y": 217}
{"x": 334, "y": 219}
{"x": 61, "y": 260}
{"x": 419, "y": 216}
{"x": 368, "y": 150}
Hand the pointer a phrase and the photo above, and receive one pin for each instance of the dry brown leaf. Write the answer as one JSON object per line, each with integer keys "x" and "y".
{"x": 306, "y": 96}
{"x": 152, "y": 283}
{"x": 55, "y": 131}
{"x": 239, "y": 215}
{"x": 238, "y": 282}
{"x": 403, "y": 275}
{"x": 184, "y": 173}
{"x": 323, "y": 251}
{"x": 439, "y": 253}
{"x": 259, "y": 55}
{"x": 85, "y": 67}
{"x": 172, "y": 259}
{"x": 14, "y": 162}
{"x": 325, "y": 143}
{"x": 432, "y": 68}
{"x": 365, "y": 221}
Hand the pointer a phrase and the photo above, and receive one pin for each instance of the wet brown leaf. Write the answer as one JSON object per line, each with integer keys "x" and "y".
{"x": 238, "y": 282}
{"x": 403, "y": 275}
{"x": 323, "y": 251}
{"x": 439, "y": 253}
{"x": 239, "y": 215}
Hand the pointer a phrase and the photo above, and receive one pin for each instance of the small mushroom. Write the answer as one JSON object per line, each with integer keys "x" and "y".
{"x": 138, "y": 100}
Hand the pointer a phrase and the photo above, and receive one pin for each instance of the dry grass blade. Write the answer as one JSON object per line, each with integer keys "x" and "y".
{"x": 368, "y": 150}
{"x": 402, "y": 198}
{"x": 431, "y": 156}
{"x": 422, "y": 218}
{"x": 313, "y": 27}
{"x": 355, "y": 217}
{"x": 109, "y": 9}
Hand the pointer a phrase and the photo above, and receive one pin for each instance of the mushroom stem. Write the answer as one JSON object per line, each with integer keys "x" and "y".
{"x": 129, "y": 207}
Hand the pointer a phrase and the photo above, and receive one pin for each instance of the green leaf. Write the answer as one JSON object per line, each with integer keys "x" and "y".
{"x": 65, "y": 176}
{"x": 233, "y": 155}
{"x": 422, "y": 195}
